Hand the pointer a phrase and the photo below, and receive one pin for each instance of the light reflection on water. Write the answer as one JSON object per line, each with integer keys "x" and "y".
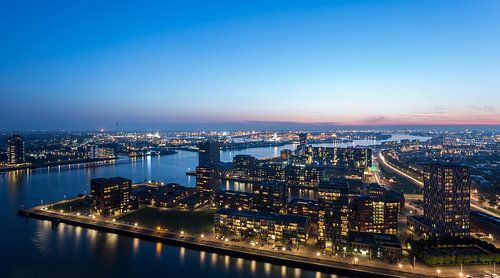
{"x": 35, "y": 246}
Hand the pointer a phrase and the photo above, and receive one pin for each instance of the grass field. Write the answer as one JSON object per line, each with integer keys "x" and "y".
{"x": 194, "y": 222}
{"x": 76, "y": 205}
{"x": 456, "y": 251}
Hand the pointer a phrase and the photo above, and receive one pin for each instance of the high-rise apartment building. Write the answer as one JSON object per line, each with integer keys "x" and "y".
{"x": 110, "y": 196}
{"x": 447, "y": 199}
{"x": 333, "y": 214}
{"x": 15, "y": 150}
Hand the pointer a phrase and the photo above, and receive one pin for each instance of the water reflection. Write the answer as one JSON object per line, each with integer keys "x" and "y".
{"x": 202, "y": 258}
{"x": 283, "y": 271}
{"x": 135, "y": 244}
{"x": 58, "y": 249}
{"x": 239, "y": 264}
{"x": 226, "y": 262}
{"x": 213, "y": 260}
{"x": 182, "y": 253}
{"x": 253, "y": 266}
{"x": 158, "y": 250}
{"x": 267, "y": 268}
{"x": 111, "y": 241}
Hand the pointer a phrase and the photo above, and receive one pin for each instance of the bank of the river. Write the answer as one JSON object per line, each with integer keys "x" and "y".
{"x": 205, "y": 244}
{"x": 31, "y": 247}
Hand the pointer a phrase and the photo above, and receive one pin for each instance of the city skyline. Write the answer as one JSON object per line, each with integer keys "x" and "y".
{"x": 170, "y": 65}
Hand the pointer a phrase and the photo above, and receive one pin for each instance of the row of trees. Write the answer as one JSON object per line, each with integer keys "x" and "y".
{"x": 427, "y": 250}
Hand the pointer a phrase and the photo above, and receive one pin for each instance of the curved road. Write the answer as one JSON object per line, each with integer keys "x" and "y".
{"x": 421, "y": 185}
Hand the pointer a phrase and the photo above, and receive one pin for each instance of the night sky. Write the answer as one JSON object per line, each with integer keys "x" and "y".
{"x": 165, "y": 64}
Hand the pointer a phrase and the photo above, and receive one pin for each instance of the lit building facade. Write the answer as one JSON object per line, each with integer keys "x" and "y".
{"x": 209, "y": 153}
{"x": 447, "y": 199}
{"x": 333, "y": 214}
{"x": 382, "y": 246}
{"x": 15, "y": 150}
{"x": 301, "y": 148}
{"x": 375, "y": 215}
{"x": 271, "y": 227}
{"x": 245, "y": 165}
{"x": 301, "y": 207}
{"x": 208, "y": 170}
{"x": 271, "y": 171}
{"x": 235, "y": 200}
{"x": 208, "y": 179}
{"x": 110, "y": 196}
{"x": 270, "y": 196}
{"x": 354, "y": 158}
{"x": 307, "y": 175}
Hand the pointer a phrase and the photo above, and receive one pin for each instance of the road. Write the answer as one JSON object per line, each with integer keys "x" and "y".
{"x": 474, "y": 204}
{"x": 302, "y": 258}
{"x": 293, "y": 257}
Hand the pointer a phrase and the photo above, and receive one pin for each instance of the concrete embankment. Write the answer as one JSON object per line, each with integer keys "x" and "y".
{"x": 220, "y": 248}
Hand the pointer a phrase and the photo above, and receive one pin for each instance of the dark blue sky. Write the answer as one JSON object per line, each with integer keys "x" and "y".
{"x": 88, "y": 64}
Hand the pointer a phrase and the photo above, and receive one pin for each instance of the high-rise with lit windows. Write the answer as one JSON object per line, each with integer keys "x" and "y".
{"x": 333, "y": 214}
{"x": 110, "y": 196}
{"x": 447, "y": 199}
{"x": 209, "y": 153}
{"x": 375, "y": 214}
{"x": 15, "y": 150}
{"x": 208, "y": 170}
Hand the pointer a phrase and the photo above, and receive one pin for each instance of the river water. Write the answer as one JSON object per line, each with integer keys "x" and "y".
{"x": 30, "y": 247}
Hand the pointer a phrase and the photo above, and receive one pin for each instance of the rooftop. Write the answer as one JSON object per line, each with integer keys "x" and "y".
{"x": 264, "y": 215}
{"x": 375, "y": 239}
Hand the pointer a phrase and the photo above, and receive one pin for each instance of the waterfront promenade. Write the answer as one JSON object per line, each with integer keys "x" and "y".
{"x": 303, "y": 258}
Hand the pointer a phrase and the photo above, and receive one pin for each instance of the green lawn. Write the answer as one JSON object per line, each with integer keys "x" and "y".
{"x": 76, "y": 205}
{"x": 194, "y": 222}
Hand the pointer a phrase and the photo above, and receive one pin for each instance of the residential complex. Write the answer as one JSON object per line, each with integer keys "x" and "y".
{"x": 270, "y": 227}
{"x": 110, "y": 196}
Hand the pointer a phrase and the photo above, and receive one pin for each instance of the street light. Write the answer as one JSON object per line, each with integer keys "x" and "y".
{"x": 135, "y": 224}
{"x": 355, "y": 260}
{"x": 202, "y": 235}
{"x": 400, "y": 265}
{"x": 438, "y": 271}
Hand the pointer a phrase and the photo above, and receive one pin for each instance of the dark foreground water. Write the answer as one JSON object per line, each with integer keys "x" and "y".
{"x": 33, "y": 248}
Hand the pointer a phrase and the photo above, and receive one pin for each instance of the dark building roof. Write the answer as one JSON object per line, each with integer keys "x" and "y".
{"x": 235, "y": 193}
{"x": 445, "y": 164}
{"x": 104, "y": 181}
{"x": 264, "y": 215}
{"x": 335, "y": 183}
{"x": 303, "y": 201}
{"x": 374, "y": 239}
{"x": 383, "y": 198}
{"x": 271, "y": 184}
